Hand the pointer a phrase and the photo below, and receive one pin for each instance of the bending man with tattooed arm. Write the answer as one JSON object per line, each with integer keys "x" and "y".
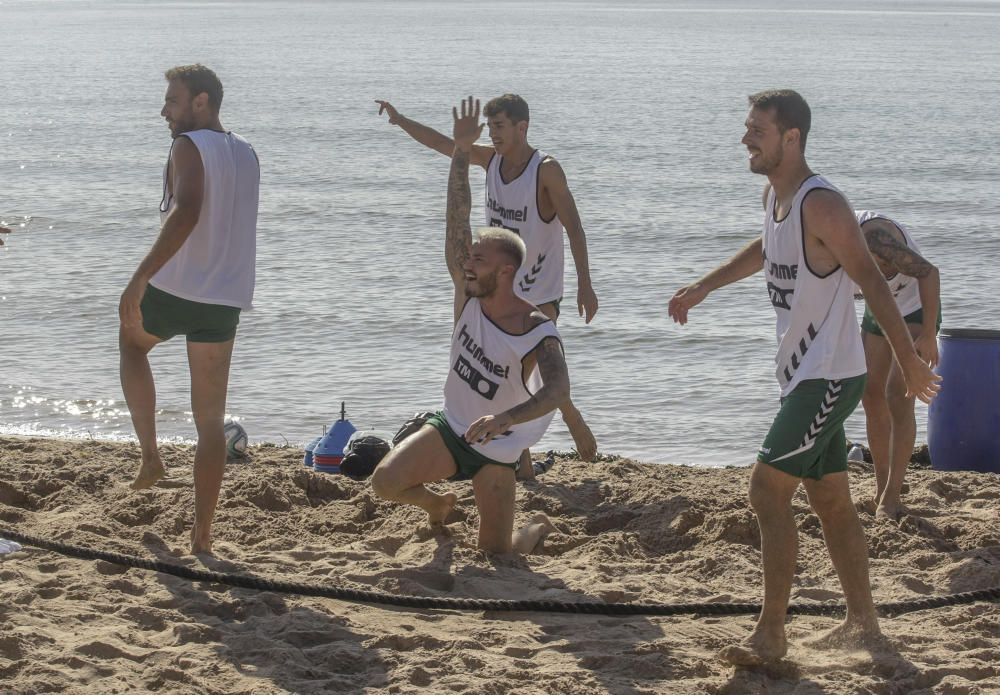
{"x": 507, "y": 377}
{"x": 915, "y": 285}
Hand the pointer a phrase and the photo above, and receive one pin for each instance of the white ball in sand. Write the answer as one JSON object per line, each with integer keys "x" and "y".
{"x": 236, "y": 439}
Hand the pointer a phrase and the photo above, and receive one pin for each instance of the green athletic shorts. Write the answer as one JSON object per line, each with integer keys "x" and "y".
{"x": 556, "y": 303}
{"x": 467, "y": 460}
{"x": 870, "y": 325}
{"x": 807, "y": 438}
{"x": 165, "y": 316}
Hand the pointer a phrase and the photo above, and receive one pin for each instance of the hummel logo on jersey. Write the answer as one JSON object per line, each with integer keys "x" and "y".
{"x": 780, "y": 271}
{"x": 474, "y": 378}
{"x": 478, "y": 354}
{"x": 506, "y": 214}
{"x": 779, "y": 297}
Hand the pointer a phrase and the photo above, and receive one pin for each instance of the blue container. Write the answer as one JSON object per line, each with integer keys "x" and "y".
{"x": 963, "y": 424}
{"x": 330, "y": 449}
{"x": 307, "y": 458}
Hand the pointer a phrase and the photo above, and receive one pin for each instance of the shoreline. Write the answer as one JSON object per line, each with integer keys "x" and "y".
{"x": 626, "y": 532}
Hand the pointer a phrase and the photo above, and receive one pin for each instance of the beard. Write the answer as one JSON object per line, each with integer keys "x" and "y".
{"x": 179, "y": 126}
{"x": 764, "y": 164}
{"x": 482, "y": 286}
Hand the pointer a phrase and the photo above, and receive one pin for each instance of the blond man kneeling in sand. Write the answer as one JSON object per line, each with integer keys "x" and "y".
{"x": 507, "y": 378}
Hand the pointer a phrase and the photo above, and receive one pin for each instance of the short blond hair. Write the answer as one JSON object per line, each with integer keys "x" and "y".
{"x": 507, "y": 241}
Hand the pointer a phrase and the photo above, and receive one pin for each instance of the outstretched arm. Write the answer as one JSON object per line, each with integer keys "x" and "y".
{"x": 884, "y": 245}
{"x": 187, "y": 181}
{"x": 458, "y": 236}
{"x": 553, "y": 394}
{"x": 553, "y": 179}
{"x": 827, "y": 217}
{"x": 428, "y": 137}
{"x": 746, "y": 262}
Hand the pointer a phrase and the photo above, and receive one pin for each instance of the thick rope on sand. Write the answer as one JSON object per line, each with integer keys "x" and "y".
{"x": 449, "y": 603}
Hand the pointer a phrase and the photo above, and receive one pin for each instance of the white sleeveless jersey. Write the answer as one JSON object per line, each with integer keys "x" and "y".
{"x": 486, "y": 379}
{"x": 216, "y": 263}
{"x": 514, "y": 206}
{"x": 905, "y": 289}
{"x": 817, "y": 329}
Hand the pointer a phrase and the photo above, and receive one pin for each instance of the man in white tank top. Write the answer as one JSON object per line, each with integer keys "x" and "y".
{"x": 812, "y": 252}
{"x": 194, "y": 281}
{"x": 507, "y": 375}
{"x": 526, "y": 192}
{"x": 915, "y": 284}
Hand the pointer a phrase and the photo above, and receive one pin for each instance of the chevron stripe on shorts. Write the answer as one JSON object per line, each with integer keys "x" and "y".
{"x": 825, "y": 408}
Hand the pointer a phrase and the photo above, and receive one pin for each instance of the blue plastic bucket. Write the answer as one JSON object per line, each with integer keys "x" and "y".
{"x": 307, "y": 457}
{"x": 963, "y": 423}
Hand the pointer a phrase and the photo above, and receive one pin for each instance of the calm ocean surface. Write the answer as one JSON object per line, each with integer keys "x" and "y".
{"x": 642, "y": 103}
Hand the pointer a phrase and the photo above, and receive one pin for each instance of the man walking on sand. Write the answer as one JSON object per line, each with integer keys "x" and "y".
{"x": 507, "y": 377}
{"x": 195, "y": 280}
{"x": 527, "y": 193}
{"x": 812, "y": 253}
{"x": 915, "y": 284}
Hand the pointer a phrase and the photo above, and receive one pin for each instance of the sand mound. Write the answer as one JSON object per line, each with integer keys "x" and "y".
{"x": 625, "y": 532}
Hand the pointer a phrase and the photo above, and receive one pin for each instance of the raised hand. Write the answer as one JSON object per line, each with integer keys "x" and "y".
{"x": 389, "y": 109}
{"x": 684, "y": 300}
{"x": 467, "y": 126}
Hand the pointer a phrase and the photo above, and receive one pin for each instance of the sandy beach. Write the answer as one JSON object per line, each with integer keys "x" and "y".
{"x": 626, "y": 531}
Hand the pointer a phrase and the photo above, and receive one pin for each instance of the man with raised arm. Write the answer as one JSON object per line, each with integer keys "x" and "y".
{"x": 195, "y": 280}
{"x": 812, "y": 253}
{"x": 527, "y": 193}
{"x": 915, "y": 284}
{"x": 507, "y": 377}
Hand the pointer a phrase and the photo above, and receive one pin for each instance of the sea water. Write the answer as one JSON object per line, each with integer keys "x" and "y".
{"x": 641, "y": 102}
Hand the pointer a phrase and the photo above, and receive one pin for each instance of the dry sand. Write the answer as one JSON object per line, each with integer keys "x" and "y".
{"x": 626, "y": 532}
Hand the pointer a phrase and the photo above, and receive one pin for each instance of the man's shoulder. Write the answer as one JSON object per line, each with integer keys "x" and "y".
{"x": 551, "y": 173}
{"x": 826, "y": 211}
{"x": 822, "y": 196}
{"x": 547, "y": 162}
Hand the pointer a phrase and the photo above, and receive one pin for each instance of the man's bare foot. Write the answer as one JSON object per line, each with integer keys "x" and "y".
{"x": 201, "y": 541}
{"x": 851, "y": 634}
{"x": 150, "y": 471}
{"x": 445, "y": 503}
{"x": 530, "y": 538}
{"x": 525, "y": 468}
{"x": 891, "y": 512}
{"x": 583, "y": 438}
{"x": 755, "y": 650}
{"x": 545, "y": 527}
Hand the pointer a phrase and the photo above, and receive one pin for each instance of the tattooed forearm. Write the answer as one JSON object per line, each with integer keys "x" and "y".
{"x": 458, "y": 239}
{"x": 555, "y": 383}
{"x": 896, "y": 254}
